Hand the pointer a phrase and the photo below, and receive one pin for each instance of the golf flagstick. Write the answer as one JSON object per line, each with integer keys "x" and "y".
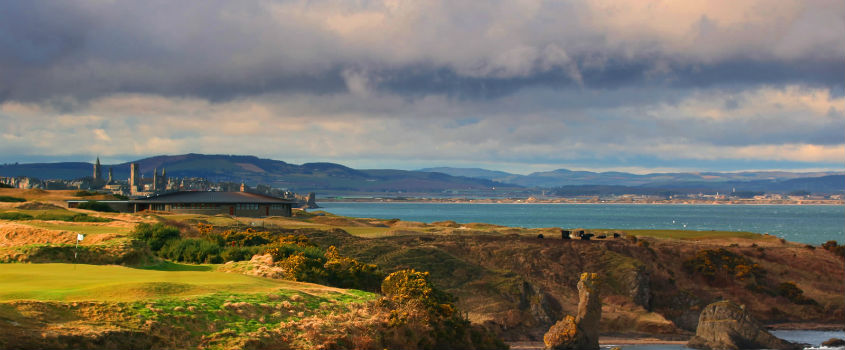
{"x": 79, "y": 237}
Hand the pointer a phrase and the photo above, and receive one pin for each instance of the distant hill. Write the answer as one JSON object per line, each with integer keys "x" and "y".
{"x": 331, "y": 177}
{"x": 472, "y": 172}
{"x": 254, "y": 170}
{"x": 703, "y": 181}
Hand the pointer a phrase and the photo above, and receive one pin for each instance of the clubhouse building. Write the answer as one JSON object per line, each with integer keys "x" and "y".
{"x": 205, "y": 203}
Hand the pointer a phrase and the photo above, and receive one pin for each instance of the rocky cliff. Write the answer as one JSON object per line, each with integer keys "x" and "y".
{"x": 581, "y": 331}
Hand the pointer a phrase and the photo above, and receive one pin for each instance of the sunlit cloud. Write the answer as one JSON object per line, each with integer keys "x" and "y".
{"x": 533, "y": 85}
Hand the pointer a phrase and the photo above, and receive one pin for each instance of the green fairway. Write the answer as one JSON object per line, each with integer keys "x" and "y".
{"x": 118, "y": 283}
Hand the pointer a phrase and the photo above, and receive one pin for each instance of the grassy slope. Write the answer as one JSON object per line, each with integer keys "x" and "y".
{"x": 485, "y": 272}
{"x": 69, "y": 282}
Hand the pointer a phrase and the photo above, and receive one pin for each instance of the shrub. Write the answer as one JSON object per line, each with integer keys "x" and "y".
{"x": 308, "y": 263}
{"x": 413, "y": 286}
{"x": 71, "y": 217}
{"x": 197, "y": 251}
{"x": 2, "y": 185}
{"x": 155, "y": 235}
{"x": 790, "y": 291}
{"x": 238, "y": 253}
{"x": 11, "y": 199}
{"x": 349, "y": 273}
{"x": 96, "y": 206}
{"x": 834, "y": 248}
{"x": 13, "y": 215}
{"x": 712, "y": 263}
{"x": 248, "y": 237}
{"x": 83, "y": 193}
{"x": 88, "y": 218}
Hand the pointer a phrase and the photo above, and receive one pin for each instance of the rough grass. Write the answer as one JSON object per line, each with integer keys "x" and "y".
{"x": 80, "y": 227}
{"x": 69, "y": 282}
{"x": 690, "y": 234}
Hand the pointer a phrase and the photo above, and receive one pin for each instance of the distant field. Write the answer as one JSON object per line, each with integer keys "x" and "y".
{"x": 69, "y": 282}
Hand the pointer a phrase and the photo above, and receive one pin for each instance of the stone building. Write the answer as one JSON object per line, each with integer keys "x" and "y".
{"x": 213, "y": 203}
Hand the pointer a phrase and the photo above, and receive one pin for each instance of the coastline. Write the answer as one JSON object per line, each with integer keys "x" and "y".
{"x": 621, "y": 340}
{"x": 529, "y": 201}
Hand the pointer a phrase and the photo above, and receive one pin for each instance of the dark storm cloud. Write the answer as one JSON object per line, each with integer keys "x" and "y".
{"x": 598, "y": 83}
{"x": 221, "y": 50}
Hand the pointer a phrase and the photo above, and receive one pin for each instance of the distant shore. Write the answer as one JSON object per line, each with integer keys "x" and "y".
{"x": 532, "y": 200}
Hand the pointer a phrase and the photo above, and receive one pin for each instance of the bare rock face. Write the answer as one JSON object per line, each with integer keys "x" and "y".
{"x": 725, "y": 325}
{"x": 581, "y": 331}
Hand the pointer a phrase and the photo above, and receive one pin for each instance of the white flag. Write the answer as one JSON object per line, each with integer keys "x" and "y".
{"x": 79, "y": 236}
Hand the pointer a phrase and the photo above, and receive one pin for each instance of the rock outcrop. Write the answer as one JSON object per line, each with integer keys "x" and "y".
{"x": 582, "y": 330}
{"x": 725, "y": 325}
{"x": 833, "y": 342}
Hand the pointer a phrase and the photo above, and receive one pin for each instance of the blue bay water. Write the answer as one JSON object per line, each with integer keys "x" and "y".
{"x": 813, "y": 224}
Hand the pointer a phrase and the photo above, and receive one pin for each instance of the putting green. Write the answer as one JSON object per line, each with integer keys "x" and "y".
{"x": 69, "y": 282}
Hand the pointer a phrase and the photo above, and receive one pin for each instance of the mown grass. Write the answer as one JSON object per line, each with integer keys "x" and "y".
{"x": 70, "y": 282}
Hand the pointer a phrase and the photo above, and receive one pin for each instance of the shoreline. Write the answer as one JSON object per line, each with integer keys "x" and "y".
{"x": 621, "y": 340}
{"x": 530, "y": 202}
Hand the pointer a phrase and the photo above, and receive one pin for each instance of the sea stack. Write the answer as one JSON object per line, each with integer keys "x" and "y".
{"x": 726, "y": 325}
{"x": 581, "y": 331}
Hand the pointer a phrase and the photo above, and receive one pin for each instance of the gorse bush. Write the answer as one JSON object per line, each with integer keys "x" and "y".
{"x": 11, "y": 199}
{"x": 239, "y": 253}
{"x": 83, "y": 193}
{"x": 198, "y": 251}
{"x": 790, "y": 291}
{"x": 305, "y": 262}
{"x": 156, "y": 235}
{"x": 405, "y": 286}
{"x": 713, "y": 263}
{"x": 96, "y": 206}
{"x": 248, "y": 237}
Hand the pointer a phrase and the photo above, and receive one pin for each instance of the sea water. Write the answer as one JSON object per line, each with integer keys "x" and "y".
{"x": 812, "y": 224}
{"x": 813, "y": 338}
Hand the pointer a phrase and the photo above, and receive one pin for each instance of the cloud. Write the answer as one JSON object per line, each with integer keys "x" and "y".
{"x": 604, "y": 84}
{"x": 222, "y": 50}
{"x": 791, "y": 124}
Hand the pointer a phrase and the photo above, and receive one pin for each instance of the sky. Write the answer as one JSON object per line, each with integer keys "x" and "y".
{"x": 518, "y": 86}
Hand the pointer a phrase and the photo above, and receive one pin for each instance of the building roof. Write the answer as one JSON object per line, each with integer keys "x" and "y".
{"x": 211, "y": 197}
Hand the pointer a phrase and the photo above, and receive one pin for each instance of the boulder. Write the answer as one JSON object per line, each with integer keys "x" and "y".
{"x": 582, "y": 330}
{"x": 725, "y": 325}
{"x": 834, "y": 343}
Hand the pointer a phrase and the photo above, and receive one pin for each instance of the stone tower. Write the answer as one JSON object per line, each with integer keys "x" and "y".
{"x": 110, "y": 176}
{"x": 155, "y": 179}
{"x": 98, "y": 173}
{"x": 134, "y": 178}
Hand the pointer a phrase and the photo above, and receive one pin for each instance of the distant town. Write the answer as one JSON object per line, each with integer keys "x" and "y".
{"x": 138, "y": 186}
